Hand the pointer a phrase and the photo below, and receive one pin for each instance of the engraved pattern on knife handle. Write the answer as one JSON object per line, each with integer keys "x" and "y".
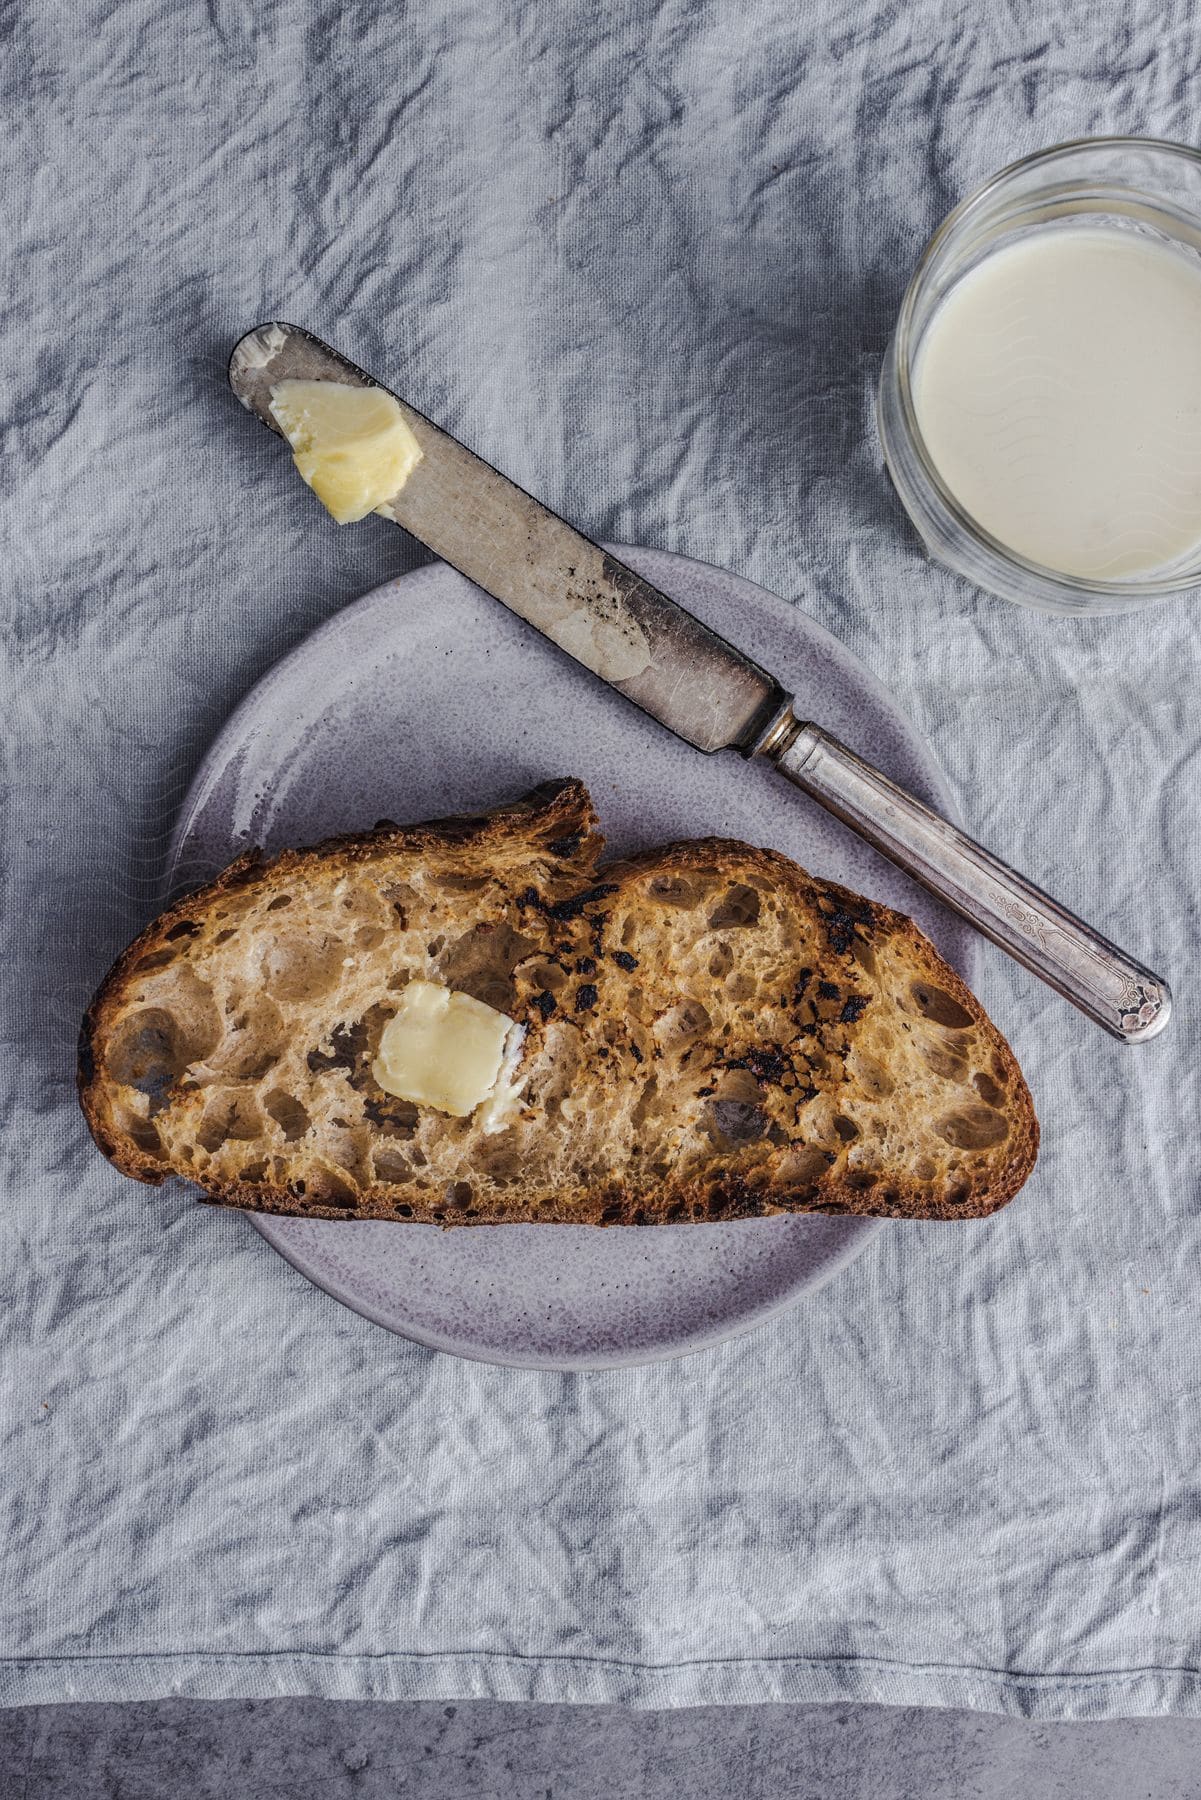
{"x": 1122, "y": 996}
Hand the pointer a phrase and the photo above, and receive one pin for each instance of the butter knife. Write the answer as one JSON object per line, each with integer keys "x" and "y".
{"x": 704, "y": 689}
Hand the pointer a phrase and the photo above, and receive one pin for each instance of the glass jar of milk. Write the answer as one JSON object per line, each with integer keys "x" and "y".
{"x": 1040, "y": 403}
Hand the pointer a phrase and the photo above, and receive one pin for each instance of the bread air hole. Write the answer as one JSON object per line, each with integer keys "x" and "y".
{"x": 288, "y": 1114}
{"x": 681, "y": 1025}
{"x": 871, "y": 1074}
{"x": 543, "y": 976}
{"x": 403, "y": 899}
{"x": 395, "y": 1118}
{"x": 676, "y": 890}
{"x": 936, "y": 1004}
{"x": 254, "y": 1040}
{"x": 464, "y": 884}
{"x": 481, "y": 963}
{"x": 738, "y": 907}
{"x": 644, "y": 1103}
{"x": 139, "y": 1131}
{"x": 150, "y": 1049}
{"x": 973, "y": 1128}
{"x": 325, "y": 1188}
{"x": 228, "y": 1115}
{"x": 390, "y": 1166}
{"x": 864, "y": 955}
{"x": 157, "y": 959}
{"x": 721, "y": 962}
{"x": 946, "y": 1060}
{"x": 803, "y": 1166}
{"x": 988, "y": 1090}
{"x": 499, "y": 1161}
{"x": 738, "y": 1122}
{"x": 739, "y": 1085}
{"x": 348, "y": 1152}
{"x": 145, "y": 1053}
{"x": 303, "y": 968}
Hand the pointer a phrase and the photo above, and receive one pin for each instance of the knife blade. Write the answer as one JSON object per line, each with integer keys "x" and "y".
{"x": 703, "y": 688}
{"x": 577, "y": 595}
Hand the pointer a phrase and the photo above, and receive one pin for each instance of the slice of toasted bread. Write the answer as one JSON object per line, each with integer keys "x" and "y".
{"x": 711, "y": 1033}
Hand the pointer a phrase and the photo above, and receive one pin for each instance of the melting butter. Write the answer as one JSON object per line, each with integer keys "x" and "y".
{"x": 351, "y": 444}
{"x": 452, "y": 1052}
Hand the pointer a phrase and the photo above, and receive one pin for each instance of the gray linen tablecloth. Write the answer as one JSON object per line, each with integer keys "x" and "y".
{"x": 646, "y": 259}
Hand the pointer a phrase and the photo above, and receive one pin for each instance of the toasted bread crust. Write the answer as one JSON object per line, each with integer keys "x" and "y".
{"x": 818, "y": 1056}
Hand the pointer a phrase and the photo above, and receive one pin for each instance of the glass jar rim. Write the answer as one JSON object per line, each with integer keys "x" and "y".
{"x": 1075, "y": 590}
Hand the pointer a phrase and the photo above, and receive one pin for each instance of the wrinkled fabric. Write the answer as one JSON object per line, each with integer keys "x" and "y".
{"x": 645, "y": 259}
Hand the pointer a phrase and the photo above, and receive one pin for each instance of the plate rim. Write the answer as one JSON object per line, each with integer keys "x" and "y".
{"x": 217, "y": 758}
{"x": 867, "y": 1229}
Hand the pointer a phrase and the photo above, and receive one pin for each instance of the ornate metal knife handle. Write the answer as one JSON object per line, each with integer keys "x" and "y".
{"x": 1126, "y": 999}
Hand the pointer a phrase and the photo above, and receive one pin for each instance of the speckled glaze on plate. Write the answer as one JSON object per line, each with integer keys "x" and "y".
{"x": 427, "y": 697}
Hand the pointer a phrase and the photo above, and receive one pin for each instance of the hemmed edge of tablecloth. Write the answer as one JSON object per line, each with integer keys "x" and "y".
{"x": 596, "y": 1681}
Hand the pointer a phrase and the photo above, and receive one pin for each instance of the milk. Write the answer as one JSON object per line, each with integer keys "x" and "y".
{"x": 1058, "y": 390}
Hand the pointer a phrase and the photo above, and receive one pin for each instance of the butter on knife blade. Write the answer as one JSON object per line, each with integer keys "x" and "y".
{"x": 353, "y": 447}
{"x": 570, "y": 589}
{"x": 351, "y": 444}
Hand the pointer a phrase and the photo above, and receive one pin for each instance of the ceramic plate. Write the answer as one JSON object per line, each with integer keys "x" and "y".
{"x": 426, "y": 698}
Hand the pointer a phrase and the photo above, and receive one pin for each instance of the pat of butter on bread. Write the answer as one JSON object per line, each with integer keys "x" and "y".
{"x": 452, "y": 1052}
{"x": 351, "y": 444}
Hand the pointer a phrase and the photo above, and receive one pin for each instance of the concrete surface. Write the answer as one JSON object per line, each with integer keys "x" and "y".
{"x": 330, "y": 1750}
